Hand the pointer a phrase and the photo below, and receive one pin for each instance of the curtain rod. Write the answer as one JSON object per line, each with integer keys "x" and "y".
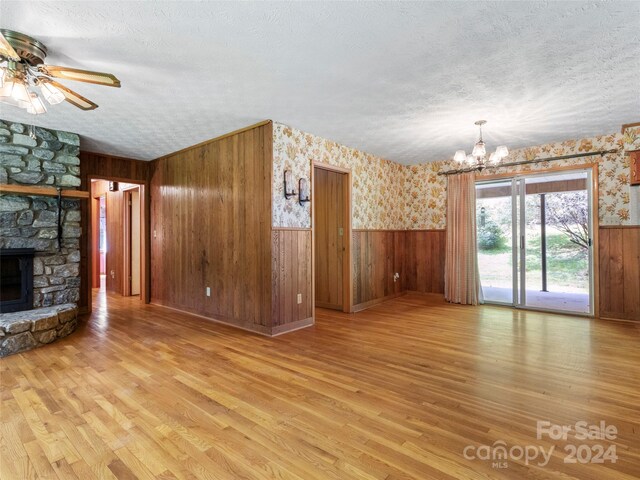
{"x": 524, "y": 162}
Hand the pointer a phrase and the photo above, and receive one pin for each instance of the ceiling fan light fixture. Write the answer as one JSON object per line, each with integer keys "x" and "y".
{"x": 22, "y": 66}
{"x": 51, "y": 94}
{"x": 6, "y": 88}
{"x": 36, "y": 107}
{"x": 9, "y": 100}
{"x": 19, "y": 91}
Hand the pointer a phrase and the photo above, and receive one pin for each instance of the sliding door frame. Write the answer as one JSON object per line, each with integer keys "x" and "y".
{"x": 519, "y": 297}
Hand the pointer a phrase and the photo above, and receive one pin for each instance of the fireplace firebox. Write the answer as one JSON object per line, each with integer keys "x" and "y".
{"x": 16, "y": 279}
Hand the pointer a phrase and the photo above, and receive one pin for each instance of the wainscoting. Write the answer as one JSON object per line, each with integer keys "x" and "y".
{"x": 619, "y": 255}
{"x": 425, "y": 253}
{"x": 291, "y": 275}
{"x": 377, "y": 256}
{"x": 416, "y": 255}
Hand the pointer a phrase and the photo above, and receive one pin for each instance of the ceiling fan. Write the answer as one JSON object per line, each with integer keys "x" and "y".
{"x": 22, "y": 70}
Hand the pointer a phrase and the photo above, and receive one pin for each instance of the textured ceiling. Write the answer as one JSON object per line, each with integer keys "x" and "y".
{"x": 404, "y": 81}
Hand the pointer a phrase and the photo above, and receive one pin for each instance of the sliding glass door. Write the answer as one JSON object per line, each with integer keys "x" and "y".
{"x": 534, "y": 241}
{"x": 497, "y": 226}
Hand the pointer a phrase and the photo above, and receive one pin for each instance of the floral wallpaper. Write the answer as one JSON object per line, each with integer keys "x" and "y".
{"x": 390, "y": 196}
{"x": 376, "y": 183}
{"x": 425, "y": 199}
{"x": 617, "y": 204}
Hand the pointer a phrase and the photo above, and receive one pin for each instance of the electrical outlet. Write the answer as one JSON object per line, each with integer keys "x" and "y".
{"x": 299, "y": 298}
{"x": 154, "y": 234}
{"x": 208, "y": 291}
{"x": 396, "y": 277}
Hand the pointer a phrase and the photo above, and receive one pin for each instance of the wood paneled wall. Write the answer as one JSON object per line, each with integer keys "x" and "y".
{"x": 211, "y": 227}
{"x": 98, "y": 165}
{"x": 291, "y": 275}
{"x": 619, "y": 255}
{"x": 376, "y": 256}
{"x": 424, "y": 260}
{"x": 417, "y": 255}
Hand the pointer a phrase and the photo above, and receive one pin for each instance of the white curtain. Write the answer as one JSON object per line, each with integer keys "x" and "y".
{"x": 462, "y": 278}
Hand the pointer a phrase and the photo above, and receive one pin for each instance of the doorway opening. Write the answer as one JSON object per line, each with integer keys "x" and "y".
{"x": 536, "y": 241}
{"x": 332, "y": 237}
{"x": 116, "y": 239}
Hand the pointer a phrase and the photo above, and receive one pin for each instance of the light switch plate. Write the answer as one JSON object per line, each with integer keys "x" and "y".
{"x": 299, "y": 298}
{"x": 208, "y": 291}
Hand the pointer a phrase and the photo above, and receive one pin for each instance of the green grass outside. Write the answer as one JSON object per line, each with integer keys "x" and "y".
{"x": 567, "y": 263}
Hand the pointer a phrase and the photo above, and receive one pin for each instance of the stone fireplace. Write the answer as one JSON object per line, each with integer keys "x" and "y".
{"x": 44, "y": 226}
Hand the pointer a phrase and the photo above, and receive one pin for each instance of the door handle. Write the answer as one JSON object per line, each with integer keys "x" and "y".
{"x": 522, "y": 242}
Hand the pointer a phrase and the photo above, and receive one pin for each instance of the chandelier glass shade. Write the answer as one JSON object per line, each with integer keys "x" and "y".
{"x": 477, "y": 160}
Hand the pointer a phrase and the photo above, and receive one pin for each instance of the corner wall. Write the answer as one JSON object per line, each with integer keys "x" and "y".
{"x": 383, "y": 212}
{"x": 210, "y": 227}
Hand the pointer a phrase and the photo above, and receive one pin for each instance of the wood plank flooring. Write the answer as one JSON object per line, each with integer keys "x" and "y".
{"x": 394, "y": 392}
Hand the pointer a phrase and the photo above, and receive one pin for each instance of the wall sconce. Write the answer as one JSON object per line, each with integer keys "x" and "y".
{"x": 303, "y": 188}
{"x": 289, "y": 191}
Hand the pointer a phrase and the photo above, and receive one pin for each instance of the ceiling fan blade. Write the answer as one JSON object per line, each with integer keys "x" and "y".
{"x": 74, "y": 98}
{"x": 99, "y": 78}
{"x": 7, "y": 51}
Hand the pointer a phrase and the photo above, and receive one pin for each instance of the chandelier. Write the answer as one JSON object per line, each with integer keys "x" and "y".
{"x": 477, "y": 159}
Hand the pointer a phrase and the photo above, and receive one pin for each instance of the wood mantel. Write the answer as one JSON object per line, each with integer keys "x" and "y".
{"x": 45, "y": 191}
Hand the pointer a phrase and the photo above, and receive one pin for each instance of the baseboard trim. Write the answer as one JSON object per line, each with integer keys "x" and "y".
{"x": 328, "y": 306}
{"x": 364, "y": 305}
{"x": 265, "y": 331}
{"x": 291, "y": 327}
{"x": 418, "y": 292}
{"x": 607, "y": 316}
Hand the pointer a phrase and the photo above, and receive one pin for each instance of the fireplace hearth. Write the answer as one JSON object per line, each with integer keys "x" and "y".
{"x": 16, "y": 279}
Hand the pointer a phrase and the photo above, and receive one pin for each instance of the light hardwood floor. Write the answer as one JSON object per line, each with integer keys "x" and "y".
{"x": 394, "y": 392}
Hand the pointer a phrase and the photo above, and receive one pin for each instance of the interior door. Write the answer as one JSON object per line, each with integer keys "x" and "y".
{"x": 535, "y": 241}
{"x": 329, "y": 228}
{"x": 115, "y": 242}
{"x": 135, "y": 242}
